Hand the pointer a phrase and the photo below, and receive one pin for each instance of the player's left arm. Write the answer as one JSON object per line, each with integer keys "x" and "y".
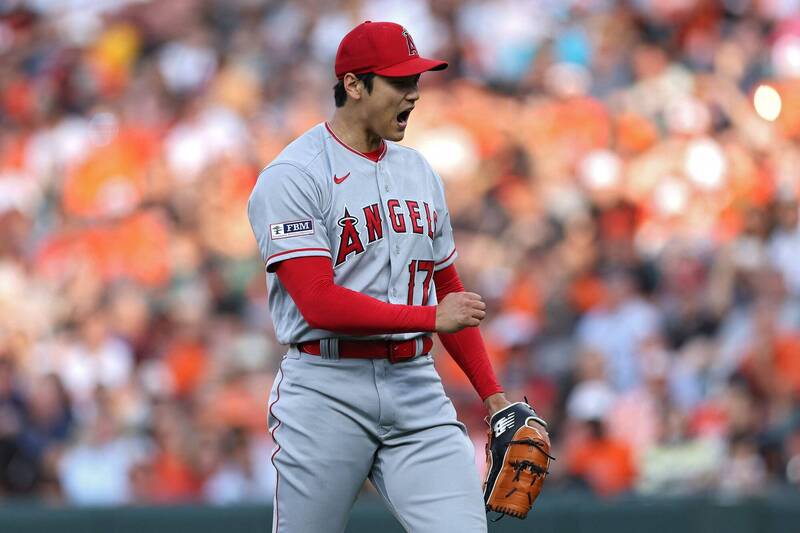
{"x": 467, "y": 348}
{"x": 526, "y": 448}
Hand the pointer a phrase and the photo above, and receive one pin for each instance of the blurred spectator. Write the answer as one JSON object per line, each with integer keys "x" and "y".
{"x": 174, "y": 476}
{"x": 238, "y": 478}
{"x": 746, "y": 473}
{"x": 635, "y": 417}
{"x": 592, "y": 397}
{"x": 96, "y": 360}
{"x": 17, "y": 470}
{"x": 618, "y": 328}
{"x": 784, "y": 245}
{"x": 49, "y": 421}
{"x": 604, "y": 464}
{"x": 679, "y": 463}
{"x": 793, "y": 453}
{"x": 95, "y": 471}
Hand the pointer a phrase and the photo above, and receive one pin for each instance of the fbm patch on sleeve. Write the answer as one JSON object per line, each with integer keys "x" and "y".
{"x": 297, "y": 228}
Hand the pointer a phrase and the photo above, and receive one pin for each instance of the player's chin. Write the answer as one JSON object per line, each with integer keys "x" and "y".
{"x": 396, "y": 131}
{"x": 395, "y": 136}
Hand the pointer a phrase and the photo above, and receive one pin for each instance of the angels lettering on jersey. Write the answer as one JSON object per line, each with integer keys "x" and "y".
{"x": 404, "y": 216}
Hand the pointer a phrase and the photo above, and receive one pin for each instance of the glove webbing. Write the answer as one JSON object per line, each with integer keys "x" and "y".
{"x": 520, "y": 467}
{"x": 529, "y": 441}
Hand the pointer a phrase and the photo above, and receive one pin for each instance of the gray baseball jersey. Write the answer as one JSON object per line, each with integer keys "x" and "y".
{"x": 384, "y": 224}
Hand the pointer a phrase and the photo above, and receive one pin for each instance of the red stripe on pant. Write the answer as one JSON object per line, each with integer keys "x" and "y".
{"x": 278, "y": 446}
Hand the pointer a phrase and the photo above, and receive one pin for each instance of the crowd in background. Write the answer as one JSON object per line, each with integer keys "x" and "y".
{"x": 623, "y": 178}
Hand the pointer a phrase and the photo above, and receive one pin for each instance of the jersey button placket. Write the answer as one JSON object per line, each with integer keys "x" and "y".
{"x": 396, "y": 252}
{"x": 382, "y": 175}
{"x": 394, "y": 249}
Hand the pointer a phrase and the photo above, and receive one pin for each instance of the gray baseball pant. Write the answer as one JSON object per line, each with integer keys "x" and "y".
{"x": 338, "y": 422}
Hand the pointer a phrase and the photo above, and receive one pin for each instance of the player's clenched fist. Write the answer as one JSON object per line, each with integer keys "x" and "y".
{"x": 459, "y": 310}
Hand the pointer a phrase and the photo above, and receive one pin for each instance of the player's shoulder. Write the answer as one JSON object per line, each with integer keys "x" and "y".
{"x": 402, "y": 150}
{"x": 411, "y": 159}
{"x": 301, "y": 156}
{"x": 406, "y": 155}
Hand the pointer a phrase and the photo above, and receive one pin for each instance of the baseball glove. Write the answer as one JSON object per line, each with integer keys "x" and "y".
{"x": 518, "y": 458}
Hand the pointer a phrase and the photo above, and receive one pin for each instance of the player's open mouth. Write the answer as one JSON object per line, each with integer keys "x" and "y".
{"x": 402, "y": 118}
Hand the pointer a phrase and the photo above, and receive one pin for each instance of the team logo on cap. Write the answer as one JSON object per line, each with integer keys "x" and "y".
{"x": 412, "y": 48}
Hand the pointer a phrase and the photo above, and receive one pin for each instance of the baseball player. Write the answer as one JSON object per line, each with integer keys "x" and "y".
{"x": 356, "y": 237}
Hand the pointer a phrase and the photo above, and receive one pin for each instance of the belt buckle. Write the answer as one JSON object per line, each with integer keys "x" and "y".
{"x": 393, "y": 349}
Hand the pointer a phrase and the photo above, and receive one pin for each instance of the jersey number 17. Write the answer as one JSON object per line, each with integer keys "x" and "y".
{"x": 416, "y": 266}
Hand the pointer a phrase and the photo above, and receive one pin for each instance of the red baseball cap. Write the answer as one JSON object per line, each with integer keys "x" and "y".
{"x": 384, "y": 48}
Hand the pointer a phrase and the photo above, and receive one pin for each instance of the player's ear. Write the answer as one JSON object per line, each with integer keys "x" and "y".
{"x": 353, "y": 86}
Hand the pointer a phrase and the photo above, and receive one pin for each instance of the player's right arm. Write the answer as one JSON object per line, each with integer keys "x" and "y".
{"x": 325, "y": 305}
{"x": 285, "y": 212}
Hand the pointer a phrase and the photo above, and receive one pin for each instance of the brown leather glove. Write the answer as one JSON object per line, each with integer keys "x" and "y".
{"x": 518, "y": 459}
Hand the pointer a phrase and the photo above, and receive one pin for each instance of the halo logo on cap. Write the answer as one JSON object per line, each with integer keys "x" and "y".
{"x": 412, "y": 48}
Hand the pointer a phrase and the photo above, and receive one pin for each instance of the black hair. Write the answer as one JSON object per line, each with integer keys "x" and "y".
{"x": 340, "y": 95}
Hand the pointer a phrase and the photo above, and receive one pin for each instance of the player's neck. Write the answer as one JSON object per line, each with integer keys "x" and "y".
{"x": 353, "y": 133}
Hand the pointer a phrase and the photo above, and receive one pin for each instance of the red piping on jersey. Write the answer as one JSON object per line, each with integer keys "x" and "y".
{"x": 362, "y": 154}
{"x": 273, "y": 256}
{"x": 278, "y": 446}
{"x": 446, "y": 259}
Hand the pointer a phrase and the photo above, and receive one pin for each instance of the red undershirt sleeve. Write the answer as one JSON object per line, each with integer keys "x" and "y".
{"x": 466, "y": 347}
{"x": 325, "y": 305}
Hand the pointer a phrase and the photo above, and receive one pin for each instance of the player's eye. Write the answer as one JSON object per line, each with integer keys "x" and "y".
{"x": 405, "y": 83}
